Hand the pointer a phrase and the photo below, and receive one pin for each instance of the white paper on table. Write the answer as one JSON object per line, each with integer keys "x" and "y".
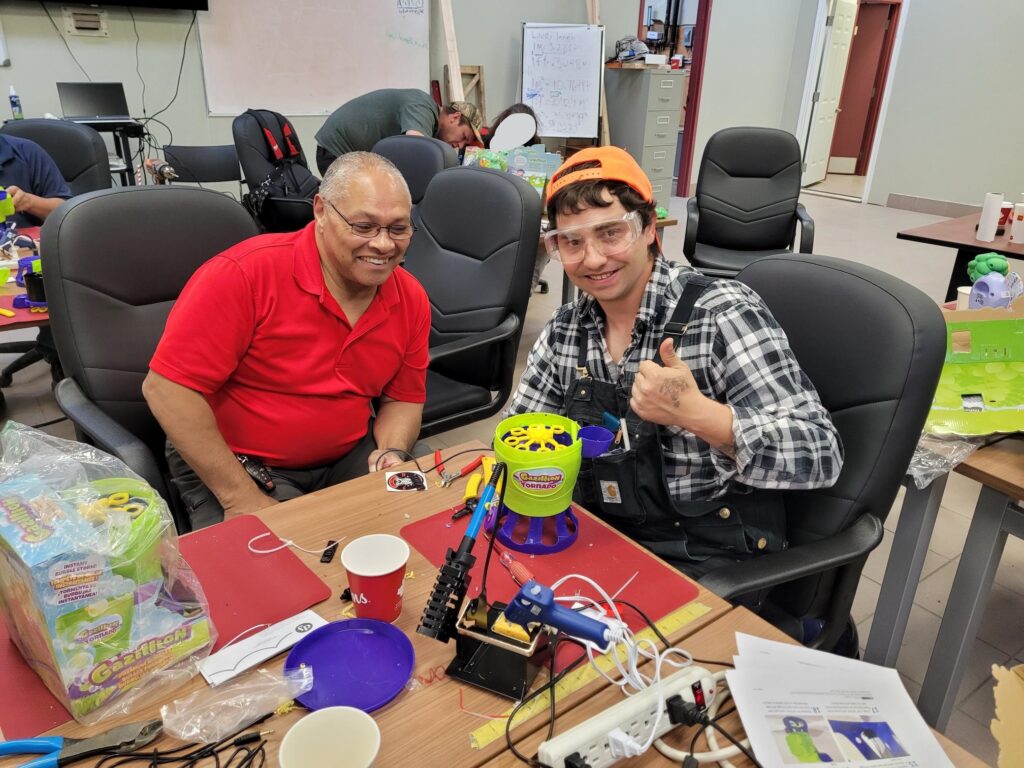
{"x": 235, "y": 658}
{"x": 852, "y": 719}
{"x": 754, "y": 651}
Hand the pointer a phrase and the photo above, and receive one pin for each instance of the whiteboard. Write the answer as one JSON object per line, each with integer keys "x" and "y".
{"x": 308, "y": 57}
{"x": 562, "y": 69}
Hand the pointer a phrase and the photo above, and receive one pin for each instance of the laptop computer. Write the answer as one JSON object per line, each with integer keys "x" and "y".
{"x": 94, "y": 102}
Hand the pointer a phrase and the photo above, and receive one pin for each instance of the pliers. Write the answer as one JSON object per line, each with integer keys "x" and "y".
{"x": 58, "y": 750}
{"x": 447, "y": 478}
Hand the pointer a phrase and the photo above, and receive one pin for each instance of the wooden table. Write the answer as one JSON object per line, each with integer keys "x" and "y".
{"x": 421, "y": 727}
{"x": 999, "y": 512}
{"x": 960, "y": 234}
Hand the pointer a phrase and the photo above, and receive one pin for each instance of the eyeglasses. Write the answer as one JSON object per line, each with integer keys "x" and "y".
{"x": 369, "y": 230}
{"x": 609, "y": 238}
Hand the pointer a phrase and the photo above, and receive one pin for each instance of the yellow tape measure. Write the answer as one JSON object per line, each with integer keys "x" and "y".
{"x": 585, "y": 674}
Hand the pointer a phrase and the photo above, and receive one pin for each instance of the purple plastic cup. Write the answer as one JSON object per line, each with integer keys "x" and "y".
{"x": 595, "y": 441}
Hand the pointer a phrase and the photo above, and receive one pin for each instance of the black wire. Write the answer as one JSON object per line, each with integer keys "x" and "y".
{"x": 409, "y": 457}
{"x": 735, "y": 741}
{"x": 181, "y": 66}
{"x": 503, "y": 480}
{"x": 137, "y": 70}
{"x": 550, "y": 685}
{"x": 665, "y": 640}
{"x": 64, "y": 40}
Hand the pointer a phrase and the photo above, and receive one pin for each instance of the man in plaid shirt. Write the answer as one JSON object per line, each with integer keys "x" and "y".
{"x": 728, "y": 409}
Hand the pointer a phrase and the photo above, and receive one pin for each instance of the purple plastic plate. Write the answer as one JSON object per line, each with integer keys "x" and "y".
{"x": 360, "y": 663}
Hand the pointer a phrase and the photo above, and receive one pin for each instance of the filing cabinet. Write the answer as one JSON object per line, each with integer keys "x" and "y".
{"x": 643, "y": 118}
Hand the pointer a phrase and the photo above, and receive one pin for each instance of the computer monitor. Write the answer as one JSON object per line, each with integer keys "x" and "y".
{"x": 93, "y": 101}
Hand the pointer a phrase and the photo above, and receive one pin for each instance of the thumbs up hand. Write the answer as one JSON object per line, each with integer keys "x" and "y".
{"x": 666, "y": 395}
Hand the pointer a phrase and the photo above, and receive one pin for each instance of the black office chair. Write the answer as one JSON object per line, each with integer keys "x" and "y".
{"x": 279, "y": 213}
{"x": 202, "y": 165}
{"x": 418, "y": 158}
{"x": 81, "y": 157}
{"x": 110, "y": 289}
{"x": 745, "y": 206}
{"x": 473, "y": 253}
{"x": 873, "y": 346}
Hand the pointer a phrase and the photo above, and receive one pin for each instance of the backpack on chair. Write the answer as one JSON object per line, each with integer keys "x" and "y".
{"x": 281, "y": 187}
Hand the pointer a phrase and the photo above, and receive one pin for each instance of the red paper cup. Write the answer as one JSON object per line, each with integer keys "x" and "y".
{"x": 376, "y": 575}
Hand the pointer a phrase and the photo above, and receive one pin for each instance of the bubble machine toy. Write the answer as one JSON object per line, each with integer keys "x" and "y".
{"x": 543, "y": 455}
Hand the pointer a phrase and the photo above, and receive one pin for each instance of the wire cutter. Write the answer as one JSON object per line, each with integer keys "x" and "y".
{"x": 447, "y": 478}
{"x": 58, "y": 750}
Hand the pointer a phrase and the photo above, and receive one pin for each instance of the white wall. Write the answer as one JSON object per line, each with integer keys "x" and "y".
{"x": 488, "y": 33}
{"x": 755, "y": 52}
{"x": 953, "y": 127}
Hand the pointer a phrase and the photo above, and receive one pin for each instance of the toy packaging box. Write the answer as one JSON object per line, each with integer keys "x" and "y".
{"x": 532, "y": 164}
{"x": 92, "y": 588}
{"x": 981, "y": 388}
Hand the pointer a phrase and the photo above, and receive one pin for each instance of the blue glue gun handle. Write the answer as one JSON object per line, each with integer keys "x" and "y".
{"x": 536, "y": 603}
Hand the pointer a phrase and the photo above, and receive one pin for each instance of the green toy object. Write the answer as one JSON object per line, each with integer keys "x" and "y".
{"x": 543, "y": 456}
{"x": 6, "y": 205}
{"x": 986, "y": 263}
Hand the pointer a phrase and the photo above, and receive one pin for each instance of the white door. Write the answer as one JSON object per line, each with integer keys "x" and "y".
{"x": 830, "y": 86}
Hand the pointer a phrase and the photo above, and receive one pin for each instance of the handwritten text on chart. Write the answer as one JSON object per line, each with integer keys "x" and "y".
{"x": 410, "y": 6}
{"x": 561, "y": 79}
{"x": 407, "y": 40}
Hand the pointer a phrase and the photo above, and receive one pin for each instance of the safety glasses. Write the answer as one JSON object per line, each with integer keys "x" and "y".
{"x": 609, "y": 238}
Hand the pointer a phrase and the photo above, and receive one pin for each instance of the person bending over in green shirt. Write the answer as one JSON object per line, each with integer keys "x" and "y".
{"x": 360, "y": 123}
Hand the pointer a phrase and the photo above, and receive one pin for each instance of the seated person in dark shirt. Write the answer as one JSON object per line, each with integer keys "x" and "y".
{"x": 31, "y": 179}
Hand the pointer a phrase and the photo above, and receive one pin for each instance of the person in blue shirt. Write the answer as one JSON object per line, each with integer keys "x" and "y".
{"x": 32, "y": 180}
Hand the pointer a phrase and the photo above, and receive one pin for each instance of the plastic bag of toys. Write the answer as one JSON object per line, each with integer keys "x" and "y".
{"x": 92, "y": 588}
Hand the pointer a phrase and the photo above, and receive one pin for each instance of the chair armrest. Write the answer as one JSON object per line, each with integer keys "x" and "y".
{"x": 845, "y": 547}
{"x": 107, "y": 434}
{"x": 806, "y": 229}
{"x": 508, "y": 328}
{"x": 690, "y": 236}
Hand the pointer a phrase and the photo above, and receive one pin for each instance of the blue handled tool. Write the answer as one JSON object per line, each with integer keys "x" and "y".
{"x": 58, "y": 750}
{"x": 535, "y": 603}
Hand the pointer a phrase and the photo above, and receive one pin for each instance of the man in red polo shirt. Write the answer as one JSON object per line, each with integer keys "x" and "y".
{"x": 277, "y": 346}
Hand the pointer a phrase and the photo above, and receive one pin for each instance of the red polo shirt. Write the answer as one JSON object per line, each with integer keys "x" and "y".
{"x": 288, "y": 378}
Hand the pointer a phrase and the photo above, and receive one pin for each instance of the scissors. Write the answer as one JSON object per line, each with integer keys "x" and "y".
{"x": 58, "y": 750}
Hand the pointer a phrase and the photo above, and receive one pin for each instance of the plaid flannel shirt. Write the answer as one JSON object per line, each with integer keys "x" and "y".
{"x": 738, "y": 354}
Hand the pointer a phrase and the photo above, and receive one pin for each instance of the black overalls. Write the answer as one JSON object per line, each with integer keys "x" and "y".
{"x": 627, "y": 488}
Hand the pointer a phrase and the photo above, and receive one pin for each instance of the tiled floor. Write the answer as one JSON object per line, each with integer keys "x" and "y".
{"x": 841, "y": 184}
{"x": 861, "y": 233}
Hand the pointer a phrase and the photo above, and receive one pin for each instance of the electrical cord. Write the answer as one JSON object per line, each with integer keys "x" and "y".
{"x": 409, "y": 457}
{"x": 138, "y": 71}
{"x": 661, "y": 636}
{"x": 250, "y": 748}
{"x": 553, "y": 681}
{"x": 64, "y": 40}
{"x": 181, "y": 67}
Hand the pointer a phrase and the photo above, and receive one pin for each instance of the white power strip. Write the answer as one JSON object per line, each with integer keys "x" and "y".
{"x": 634, "y": 715}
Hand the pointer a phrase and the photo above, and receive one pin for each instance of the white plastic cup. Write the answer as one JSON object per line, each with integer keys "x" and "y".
{"x": 963, "y": 297}
{"x": 333, "y": 737}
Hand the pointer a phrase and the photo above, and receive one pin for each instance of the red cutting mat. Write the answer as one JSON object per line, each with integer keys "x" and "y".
{"x": 599, "y": 552}
{"x": 244, "y": 590}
